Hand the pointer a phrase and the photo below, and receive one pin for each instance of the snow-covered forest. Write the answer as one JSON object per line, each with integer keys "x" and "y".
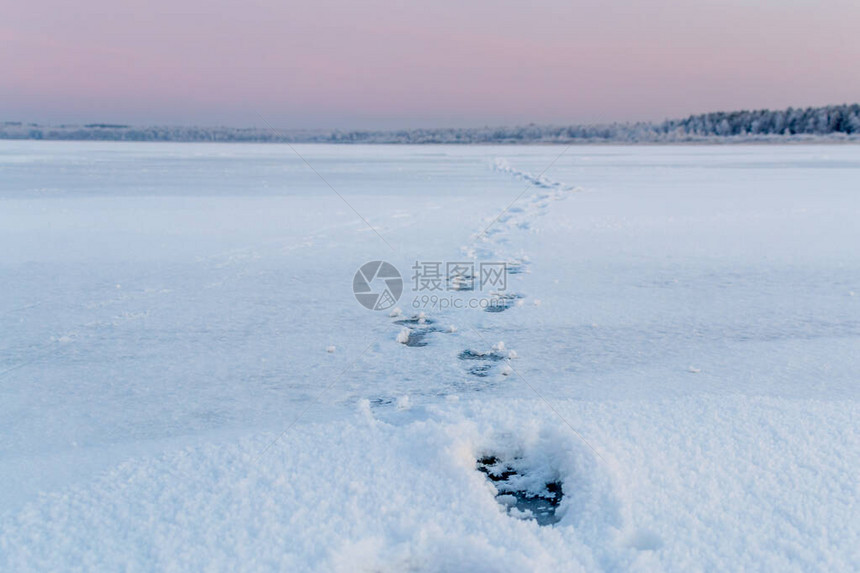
{"x": 830, "y": 123}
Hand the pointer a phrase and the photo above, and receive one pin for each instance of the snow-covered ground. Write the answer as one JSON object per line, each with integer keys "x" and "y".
{"x": 187, "y": 381}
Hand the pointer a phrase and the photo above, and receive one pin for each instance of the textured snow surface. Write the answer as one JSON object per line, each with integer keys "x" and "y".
{"x": 187, "y": 382}
{"x": 715, "y": 484}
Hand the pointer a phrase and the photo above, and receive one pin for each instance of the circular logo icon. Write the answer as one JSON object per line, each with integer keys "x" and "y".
{"x": 377, "y": 285}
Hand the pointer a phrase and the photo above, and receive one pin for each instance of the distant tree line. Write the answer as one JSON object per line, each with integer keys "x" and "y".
{"x": 810, "y": 121}
{"x": 835, "y": 122}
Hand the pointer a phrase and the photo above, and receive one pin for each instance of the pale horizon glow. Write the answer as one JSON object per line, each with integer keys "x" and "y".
{"x": 389, "y": 64}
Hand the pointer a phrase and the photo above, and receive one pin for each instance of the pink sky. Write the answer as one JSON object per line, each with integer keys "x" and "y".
{"x": 385, "y": 63}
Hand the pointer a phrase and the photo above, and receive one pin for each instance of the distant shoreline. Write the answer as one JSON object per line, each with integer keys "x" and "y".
{"x": 715, "y": 141}
{"x": 829, "y": 124}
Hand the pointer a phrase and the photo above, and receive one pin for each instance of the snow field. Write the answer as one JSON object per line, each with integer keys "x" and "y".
{"x": 188, "y": 382}
{"x": 725, "y": 483}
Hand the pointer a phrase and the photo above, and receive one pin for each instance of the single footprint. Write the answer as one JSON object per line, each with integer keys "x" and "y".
{"x": 412, "y": 337}
{"x": 518, "y": 492}
{"x": 484, "y": 361}
{"x": 415, "y": 330}
{"x": 500, "y": 302}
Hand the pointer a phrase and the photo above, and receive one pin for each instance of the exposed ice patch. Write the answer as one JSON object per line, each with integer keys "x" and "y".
{"x": 416, "y": 338}
{"x": 486, "y": 360}
{"x": 415, "y": 320}
{"x": 478, "y": 355}
{"x": 501, "y": 302}
{"x": 524, "y": 495}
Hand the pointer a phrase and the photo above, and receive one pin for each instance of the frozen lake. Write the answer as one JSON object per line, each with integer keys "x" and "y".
{"x": 678, "y": 348}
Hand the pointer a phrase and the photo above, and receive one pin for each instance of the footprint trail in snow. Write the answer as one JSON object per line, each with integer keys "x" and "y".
{"x": 519, "y": 491}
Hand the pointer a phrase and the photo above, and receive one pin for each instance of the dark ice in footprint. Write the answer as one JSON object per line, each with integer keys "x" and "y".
{"x": 463, "y": 282}
{"x": 415, "y": 321}
{"x": 481, "y": 370}
{"x": 416, "y": 338}
{"x": 476, "y": 355}
{"x": 486, "y": 360}
{"x": 502, "y": 302}
{"x": 419, "y": 327}
{"x": 540, "y": 505}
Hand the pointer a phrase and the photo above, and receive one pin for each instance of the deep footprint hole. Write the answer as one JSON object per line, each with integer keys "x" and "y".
{"x": 533, "y": 502}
